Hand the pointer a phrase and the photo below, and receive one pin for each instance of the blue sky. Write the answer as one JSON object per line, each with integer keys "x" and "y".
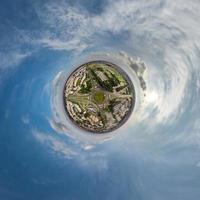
{"x": 156, "y": 157}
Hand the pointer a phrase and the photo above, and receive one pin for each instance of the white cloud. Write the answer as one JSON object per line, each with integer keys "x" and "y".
{"x": 56, "y": 44}
{"x": 10, "y": 59}
{"x": 56, "y": 145}
{"x": 71, "y": 27}
{"x": 58, "y": 126}
{"x": 85, "y": 154}
{"x": 157, "y": 32}
{"x": 65, "y": 27}
{"x": 88, "y": 147}
{"x": 25, "y": 119}
{"x": 96, "y": 161}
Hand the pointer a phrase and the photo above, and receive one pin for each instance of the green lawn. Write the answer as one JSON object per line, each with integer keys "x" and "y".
{"x": 99, "y": 97}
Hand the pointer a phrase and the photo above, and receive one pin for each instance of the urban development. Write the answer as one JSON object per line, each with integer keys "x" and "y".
{"x": 98, "y": 97}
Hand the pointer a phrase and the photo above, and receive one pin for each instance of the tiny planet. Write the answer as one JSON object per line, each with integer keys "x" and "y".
{"x": 99, "y": 96}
